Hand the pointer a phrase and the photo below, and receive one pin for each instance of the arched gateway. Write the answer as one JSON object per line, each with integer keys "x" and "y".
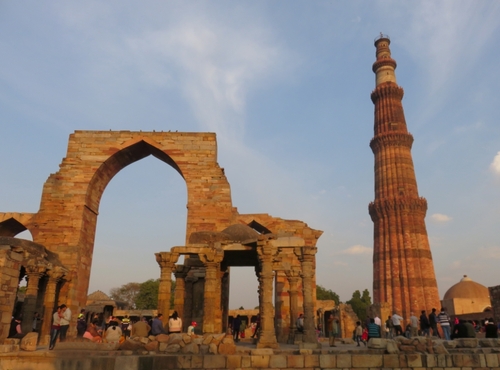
{"x": 217, "y": 236}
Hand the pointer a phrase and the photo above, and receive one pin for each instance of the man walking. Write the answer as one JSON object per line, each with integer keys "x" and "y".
{"x": 396, "y": 322}
{"x": 433, "y": 323}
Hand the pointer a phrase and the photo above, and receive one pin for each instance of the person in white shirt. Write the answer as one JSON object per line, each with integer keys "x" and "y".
{"x": 396, "y": 321}
{"x": 65, "y": 319}
{"x": 414, "y": 325}
{"x": 175, "y": 323}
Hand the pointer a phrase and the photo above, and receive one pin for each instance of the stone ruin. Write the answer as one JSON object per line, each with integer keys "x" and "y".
{"x": 57, "y": 263}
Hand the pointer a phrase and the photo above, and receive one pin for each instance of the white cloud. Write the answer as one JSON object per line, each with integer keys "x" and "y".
{"x": 214, "y": 66}
{"x": 439, "y": 217}
{"x": 495, "y": 165}
{"x": 357, "y": 250}
{"x": 456, "y": 265}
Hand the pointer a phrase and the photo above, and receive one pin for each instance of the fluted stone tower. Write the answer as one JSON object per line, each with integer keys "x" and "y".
{"x": 403, "y": 271}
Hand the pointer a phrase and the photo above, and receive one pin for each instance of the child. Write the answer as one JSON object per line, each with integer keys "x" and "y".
{"x": 358, "y": 332}
{"x": 364, "y": 337}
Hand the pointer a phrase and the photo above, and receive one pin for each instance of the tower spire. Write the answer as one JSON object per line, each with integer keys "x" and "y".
{"x": 403, "y": 270}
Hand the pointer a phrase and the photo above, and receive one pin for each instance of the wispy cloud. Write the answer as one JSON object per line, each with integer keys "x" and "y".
{"x": 214, "y": 66}
{"x": 439, "y": 217}
{"x": 495, "y": 165}
{"x": 357, "y": 250}
{"x": 467, "y": 128}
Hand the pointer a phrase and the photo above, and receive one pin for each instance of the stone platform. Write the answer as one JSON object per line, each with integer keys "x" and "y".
{"x": 343, "y": 356}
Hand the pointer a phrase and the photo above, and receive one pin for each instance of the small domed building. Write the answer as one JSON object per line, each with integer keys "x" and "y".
{"x": 467, "y": 297}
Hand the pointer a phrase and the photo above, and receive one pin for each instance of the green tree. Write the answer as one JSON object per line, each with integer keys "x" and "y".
{"x": 147, "y": 297}
{"x": 126, "y": 293}
{"x": 323, "y": 294}
{"x": 360, "y": 303}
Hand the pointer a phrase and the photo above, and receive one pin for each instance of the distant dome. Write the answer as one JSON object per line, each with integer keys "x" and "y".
{"x": 241, "y": 233}
{"x": 98, "y": 296}
{"x": 468, "y": 289}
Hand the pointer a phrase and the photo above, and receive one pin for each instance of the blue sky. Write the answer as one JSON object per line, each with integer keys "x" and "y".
{"x": 286, "y": 87}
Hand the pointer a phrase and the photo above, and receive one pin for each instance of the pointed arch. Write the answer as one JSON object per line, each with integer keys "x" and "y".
{"x": 132, "y": 151}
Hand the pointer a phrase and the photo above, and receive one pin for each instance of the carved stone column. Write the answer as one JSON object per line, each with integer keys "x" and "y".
{"x": 293, "y": 279}
{"x": 266, "y": 252}
{"x": 49, "y": 301}
{"x": 167, "y": 261}
{"x": 34, "y": 273}
{"x": 211, "y": 257}
{"x": 180, "y": 292}
{"x": 307, "y": 259}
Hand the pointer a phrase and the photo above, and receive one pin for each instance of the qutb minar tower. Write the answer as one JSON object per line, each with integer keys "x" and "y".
{"x": 403, "y": 271}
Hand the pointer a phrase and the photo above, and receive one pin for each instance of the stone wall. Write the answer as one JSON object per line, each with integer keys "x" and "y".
{"x": 10, "y": 264}
{"x": 495, "y": 301}
{"x": 256, "y": 359}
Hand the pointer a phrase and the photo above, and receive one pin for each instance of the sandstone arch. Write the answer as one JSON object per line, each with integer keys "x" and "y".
{"x": 67, "y": 218}
{"x": 66, "y": 223}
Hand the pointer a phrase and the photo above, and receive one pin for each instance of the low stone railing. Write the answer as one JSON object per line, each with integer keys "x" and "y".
{"x": 179, "y": 351}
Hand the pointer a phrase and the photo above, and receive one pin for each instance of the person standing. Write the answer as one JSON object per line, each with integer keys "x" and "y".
{"x": 65, "y": 320}
{"x": 300, "y": 323}
{"x": 444, "y": 321}
{"x": 389, "y": 328}
{"x": 333, "y": 329}
{"x": 433, "y": 323}
{"x": 236, "y": 328}
{"x": 175, "y": 323}
{"x": 81, "y": 324}
{"x": 358, "y": 332}
{"x": 56, "y": 327}
{"x": 257, "y": 327}
{"x": 396, "y": 322}
{"x": 36, "y": 321}
{"x": 424, "y": 324}
{"x": 413, "y": 325}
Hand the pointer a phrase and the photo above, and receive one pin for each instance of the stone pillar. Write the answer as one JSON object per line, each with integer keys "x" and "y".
{"x": 211, "y": 258}
{"x": 293, "y": 280}
{"x": 167, "y": 261}
{"x": 307, "y": 259}
{"x": 266, "y": 252}
{"x": 49, "y": 302}
{"x": 180, "y": 292}
{"x": 29, "y": 306}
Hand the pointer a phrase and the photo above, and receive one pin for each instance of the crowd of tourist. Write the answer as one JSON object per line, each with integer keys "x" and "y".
{"x": 437, "y": 324}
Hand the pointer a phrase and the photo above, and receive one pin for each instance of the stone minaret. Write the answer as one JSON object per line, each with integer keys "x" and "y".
{"x": 403, "y": 271}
